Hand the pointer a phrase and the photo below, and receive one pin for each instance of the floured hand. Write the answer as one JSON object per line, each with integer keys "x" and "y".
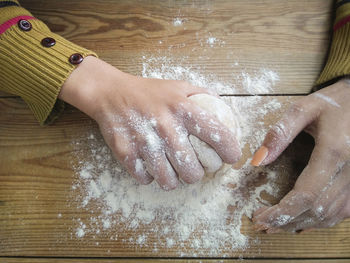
{"x": 321, "y": 195}
{"x": 146, "y": 122}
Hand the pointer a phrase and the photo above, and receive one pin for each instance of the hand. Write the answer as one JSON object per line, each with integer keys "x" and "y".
{"x": 146, "y": 122}
{"x": 321, "y": 195}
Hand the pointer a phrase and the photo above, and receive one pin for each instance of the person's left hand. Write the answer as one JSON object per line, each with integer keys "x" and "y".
{"x": 321, "y": 195}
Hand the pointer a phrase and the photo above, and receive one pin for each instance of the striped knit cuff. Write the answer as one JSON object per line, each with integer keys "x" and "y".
{"x": 35, "y": 63}
{"x": 338, "y": 62}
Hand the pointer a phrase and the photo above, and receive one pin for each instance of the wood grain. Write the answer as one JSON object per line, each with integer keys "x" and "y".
{"x": 36, "y": 178}
{"x": 54, "y": 260}
{"x": 289, "y": 37}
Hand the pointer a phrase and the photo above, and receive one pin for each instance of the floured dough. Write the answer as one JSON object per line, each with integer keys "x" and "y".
{"x": 210, "y": 160}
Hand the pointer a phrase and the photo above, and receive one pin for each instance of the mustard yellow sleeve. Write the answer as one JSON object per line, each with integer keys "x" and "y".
{"x": 34, "y": 62}
{"x": 338, "y": 61}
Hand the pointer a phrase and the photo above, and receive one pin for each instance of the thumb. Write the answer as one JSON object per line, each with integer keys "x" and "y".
{"x": 301, "y": 114}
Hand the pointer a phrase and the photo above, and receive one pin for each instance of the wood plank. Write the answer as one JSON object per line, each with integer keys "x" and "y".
{"x": 39, "y": 209}
{"x": 221, "y": 38}
{"x": 55, "y": 260}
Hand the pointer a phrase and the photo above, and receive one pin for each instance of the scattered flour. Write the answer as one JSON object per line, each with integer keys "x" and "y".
{"x": 165, "y": 68}
{"x": 211, "y": 41}
{"x": 201, "y": 218}
{"x": 80, "y": 232}
{"x": 178, "y": 21}
{"x": 261, "y": 83}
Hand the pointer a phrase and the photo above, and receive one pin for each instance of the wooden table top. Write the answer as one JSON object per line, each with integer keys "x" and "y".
{"x": 224, "y": 41}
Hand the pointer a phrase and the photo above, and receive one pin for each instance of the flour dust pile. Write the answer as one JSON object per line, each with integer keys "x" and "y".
{"x": 199, "y": 219}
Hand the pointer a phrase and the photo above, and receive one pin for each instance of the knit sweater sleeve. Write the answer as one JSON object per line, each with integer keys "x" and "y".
{"x": 35, "y": 62}
{"x": 338, "y": 61}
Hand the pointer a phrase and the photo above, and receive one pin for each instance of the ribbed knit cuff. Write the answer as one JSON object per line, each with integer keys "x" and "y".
{"x": 36, "y": 72}
{"x": 338, "y": 61}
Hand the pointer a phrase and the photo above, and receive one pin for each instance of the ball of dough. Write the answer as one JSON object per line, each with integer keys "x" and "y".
{"x": 209, "y": 159}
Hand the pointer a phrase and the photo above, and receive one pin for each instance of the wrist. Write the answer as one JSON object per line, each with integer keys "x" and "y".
{"x": 87, "y": 84}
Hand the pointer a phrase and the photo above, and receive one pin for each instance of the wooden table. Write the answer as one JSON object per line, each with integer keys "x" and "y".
{"x": 289, "y": 36}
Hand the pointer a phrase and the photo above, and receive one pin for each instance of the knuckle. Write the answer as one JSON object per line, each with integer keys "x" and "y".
{"x": 279, "y": 131}
{"x": 164, "y": 125}
{"x": 163, "y": 128}
{"x": 121, "y": 150}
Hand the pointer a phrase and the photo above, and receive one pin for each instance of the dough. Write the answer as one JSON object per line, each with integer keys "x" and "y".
{"x": 209, "y": 159}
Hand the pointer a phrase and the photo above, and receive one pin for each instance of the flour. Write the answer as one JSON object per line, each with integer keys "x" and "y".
{"x": 204, "y": 218}
{"x": 178, "y": 21}
{"x": 261, "y": 83}
{"x": 211, "y": 41}
{"x": 166, "y": 68}
{"x": 283, "y": 219}
{"x": 327, "y": 99}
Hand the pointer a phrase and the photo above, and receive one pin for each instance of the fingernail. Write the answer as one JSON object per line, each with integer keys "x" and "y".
{"x": 259, "y": 156}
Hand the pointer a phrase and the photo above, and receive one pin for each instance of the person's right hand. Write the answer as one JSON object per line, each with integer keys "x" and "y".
{"x": 146, "y": 122}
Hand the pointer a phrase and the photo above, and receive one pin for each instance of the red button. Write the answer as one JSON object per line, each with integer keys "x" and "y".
{"x": 48, "y": 42}
{"x": 76, "y": 59}
{"x": 24, "y": 25}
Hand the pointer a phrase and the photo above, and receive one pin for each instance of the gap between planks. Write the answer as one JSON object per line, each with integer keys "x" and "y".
{"x": 165, "y": 260}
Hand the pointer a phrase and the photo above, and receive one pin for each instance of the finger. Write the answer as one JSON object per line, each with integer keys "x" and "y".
{"x": 125, "y": 152}
{"x": 339, "y": 211}
{"x": 182, "y": 156}
{"x": 135, "y": 166}
{"x": 309, "y": 221}
{"x": 299, "y": 115}
{"x": 260, "y": 210}
{"x": 259, "y": 227}
{"x": 329, "y": 210}
{"x": 330, "y": 201}
{"x": 291, "y": 206}
{"x": 178, "y": 149}
{"x": 304, "y": 221}
{"x": 205, "y": 126}
{"x": 313, "y": 180}
{"x": 159, "y": 167}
